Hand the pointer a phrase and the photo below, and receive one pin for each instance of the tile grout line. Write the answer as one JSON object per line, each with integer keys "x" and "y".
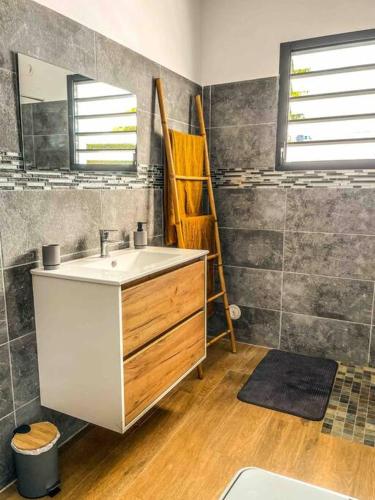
{"x": 282, "y": 272}
{"x": 21, "y": 336}
{"x": 208, "y": 131}
{"x": 2, "y": 490}
{"x": 7, "y": 331}
{"x": 93, "y": 249}
{"x": 142, "y": 110}
{"x": 243, "y": 125}
{"x": 33, "y": 139}
{"x": 303, "y": 314}
{"x": 261, "y": 269}
{"x": 371, "y": 326}
{"x": 7, "y": 415}
{"x": 327, "y": 319}
{"x": 295, "y": 231}
{"x": 330, "y": 234}
{"x": 28, "y": 403}
{"x": 210, "y": 111}
{"x": 260, "y": 308}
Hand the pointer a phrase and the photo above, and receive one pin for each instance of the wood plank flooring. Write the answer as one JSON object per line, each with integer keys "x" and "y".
{"x": 192, "y": 444}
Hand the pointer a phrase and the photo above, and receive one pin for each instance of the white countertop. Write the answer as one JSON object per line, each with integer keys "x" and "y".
{"x": 122, "y": 266}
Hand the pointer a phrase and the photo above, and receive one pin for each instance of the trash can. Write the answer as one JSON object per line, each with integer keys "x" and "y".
{"x": 36, "y": 459}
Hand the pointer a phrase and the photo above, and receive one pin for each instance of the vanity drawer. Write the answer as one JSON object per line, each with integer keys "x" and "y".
{"x": 153, "y": 370}
{"x": 152, "y": 307}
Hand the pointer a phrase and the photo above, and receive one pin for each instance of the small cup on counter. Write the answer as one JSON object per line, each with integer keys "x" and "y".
{"x": 51, "y": 256}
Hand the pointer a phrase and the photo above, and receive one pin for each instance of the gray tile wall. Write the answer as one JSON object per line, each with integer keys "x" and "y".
{"x": 34, "y": 30}
{"x": 27, "y": 220}
{"x": 37, "y": 207}
{"x": 242, "y": 124}
{"x": 300, "y": 263}
{"x": 241, "y": 120}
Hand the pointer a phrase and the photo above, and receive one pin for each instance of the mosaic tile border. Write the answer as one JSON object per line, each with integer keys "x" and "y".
{"x": 10, "y": 161}
{"x": 13, "y": 177}
{"x": 351, "y": 408}
{"x": 252, "y": 178}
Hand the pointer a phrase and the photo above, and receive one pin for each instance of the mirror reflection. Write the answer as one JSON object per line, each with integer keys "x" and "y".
{"x": 70, "y": 121}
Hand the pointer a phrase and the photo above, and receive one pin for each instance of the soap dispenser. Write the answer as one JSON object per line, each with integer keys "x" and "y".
{"x": 140, "y": 236}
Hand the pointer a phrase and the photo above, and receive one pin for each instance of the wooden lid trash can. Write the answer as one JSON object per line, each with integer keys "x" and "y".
{"x": 36, "y": 459}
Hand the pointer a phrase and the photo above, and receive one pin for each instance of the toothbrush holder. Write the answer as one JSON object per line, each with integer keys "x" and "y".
{"x": 51, "y": 256}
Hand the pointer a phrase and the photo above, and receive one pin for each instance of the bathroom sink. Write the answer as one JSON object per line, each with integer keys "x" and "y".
{"x": 131, "y": 261}
{"x": 122, "y": 266}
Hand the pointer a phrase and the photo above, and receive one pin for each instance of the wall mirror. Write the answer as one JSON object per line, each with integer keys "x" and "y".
{"x": 71, "y": 122}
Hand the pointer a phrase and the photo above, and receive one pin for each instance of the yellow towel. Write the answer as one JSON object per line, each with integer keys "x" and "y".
{"x": 198, "y": 232}
{"x": 188, "y": 156}
{"x": 197, "y": 229}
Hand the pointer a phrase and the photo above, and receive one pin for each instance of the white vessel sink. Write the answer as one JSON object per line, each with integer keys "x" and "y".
{"x": 122, "y": 266}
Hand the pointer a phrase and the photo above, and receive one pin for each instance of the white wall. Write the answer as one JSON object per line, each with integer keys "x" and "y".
{"x": 216, "y": 41}
{"x": 241, "y": 38}
{"x": 166, "y": 31}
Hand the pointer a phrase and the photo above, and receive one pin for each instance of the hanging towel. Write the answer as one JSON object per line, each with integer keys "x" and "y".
{"x": 198, "y": 232}
{"x": 188, "y": 158}
{"x": 197, "y": 229}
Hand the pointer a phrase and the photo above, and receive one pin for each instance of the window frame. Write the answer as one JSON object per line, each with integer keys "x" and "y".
{"x": 286, "y": 50}
{"x": 126, "y": 169}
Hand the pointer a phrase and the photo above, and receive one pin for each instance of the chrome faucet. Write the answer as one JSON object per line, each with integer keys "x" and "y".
{"x": 104, "y": 240}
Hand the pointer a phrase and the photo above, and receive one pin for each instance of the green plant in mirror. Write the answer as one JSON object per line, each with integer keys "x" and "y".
{"x": 296, "y": 116}
{"x": 298, "y": 93}
{"x": 125, "y": 128}
{"x": 109, "y": 162}
{"x": 296, "y": 71}
{"x": 110, "y": 146}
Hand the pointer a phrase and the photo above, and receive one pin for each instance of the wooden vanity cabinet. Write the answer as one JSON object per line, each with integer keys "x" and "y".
{"x": 152, "y": 307}
{"x": 108, "y": 353}
{"x": 163, "y": 323}
{"x": 159, "y": 365}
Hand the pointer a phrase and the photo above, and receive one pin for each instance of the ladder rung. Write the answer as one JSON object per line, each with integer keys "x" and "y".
{"x": 218, "y": 337}
{"x": 212, "y": 256}
{"x": 216, "y": 296}
{"x": 190, "y": 178}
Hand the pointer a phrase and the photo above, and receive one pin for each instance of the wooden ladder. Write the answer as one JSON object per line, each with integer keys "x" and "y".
{"x": 206, "y": 178}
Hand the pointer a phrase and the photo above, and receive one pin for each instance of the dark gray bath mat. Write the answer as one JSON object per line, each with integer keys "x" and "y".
{"x": 291, "y": 383}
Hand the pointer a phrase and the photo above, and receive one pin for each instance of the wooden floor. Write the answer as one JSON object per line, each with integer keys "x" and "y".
{"x": 197, "y": 438}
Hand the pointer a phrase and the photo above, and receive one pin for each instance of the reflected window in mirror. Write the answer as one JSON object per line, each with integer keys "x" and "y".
{"x": 72, "y": 122}
{"x": 102, "y": 124}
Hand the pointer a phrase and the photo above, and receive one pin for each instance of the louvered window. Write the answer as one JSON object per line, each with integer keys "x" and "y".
{"x": 327, "y": 103}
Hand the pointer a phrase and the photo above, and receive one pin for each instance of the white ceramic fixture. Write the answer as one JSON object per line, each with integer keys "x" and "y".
{"x": 122, "y": 266}
{"x": 252, "y": 483}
